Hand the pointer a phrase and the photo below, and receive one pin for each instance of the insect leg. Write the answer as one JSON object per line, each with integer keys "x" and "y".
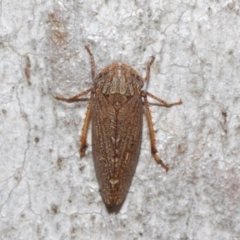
{"x": 92, "y": 61}
{"x": 83, "y": 138}
{"x": 162, "y": 102}
{"x": 74, "y": 98}
{"x": 152, "y": 135}
{"x": 148, "y": 70}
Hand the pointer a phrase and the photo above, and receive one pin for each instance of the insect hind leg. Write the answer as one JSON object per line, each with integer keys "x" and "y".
{"x": 83, "y": 138}
{"x": 152, "y": 135}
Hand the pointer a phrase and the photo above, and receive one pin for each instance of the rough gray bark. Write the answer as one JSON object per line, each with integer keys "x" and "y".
{"x": 47, "y": 191}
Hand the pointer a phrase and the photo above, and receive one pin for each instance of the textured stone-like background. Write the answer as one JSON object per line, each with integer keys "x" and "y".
{"x": 47, "y": 191}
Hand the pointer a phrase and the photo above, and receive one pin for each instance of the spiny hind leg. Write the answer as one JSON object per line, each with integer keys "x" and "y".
{"x": 83, "y": 137}
{"x": 152, "y": 135}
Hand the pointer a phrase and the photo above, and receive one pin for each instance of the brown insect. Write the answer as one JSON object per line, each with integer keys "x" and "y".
{"x": 116, "y": 110}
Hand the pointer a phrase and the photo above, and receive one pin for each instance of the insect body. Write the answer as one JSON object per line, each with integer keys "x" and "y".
{"x": 116, "y": 110}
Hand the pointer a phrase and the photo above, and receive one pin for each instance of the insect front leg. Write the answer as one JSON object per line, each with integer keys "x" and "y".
{"x": 148, "y": 70}
{"x": 92, "y": 61}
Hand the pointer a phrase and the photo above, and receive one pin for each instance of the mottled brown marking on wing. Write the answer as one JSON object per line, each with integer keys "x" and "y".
{"x": 116, "y": 138}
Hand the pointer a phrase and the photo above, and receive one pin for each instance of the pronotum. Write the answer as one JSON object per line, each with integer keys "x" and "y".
{"x": 116, "y": 107}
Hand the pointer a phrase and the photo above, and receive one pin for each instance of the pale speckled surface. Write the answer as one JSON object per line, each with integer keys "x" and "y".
{"x": 47, "y": 191}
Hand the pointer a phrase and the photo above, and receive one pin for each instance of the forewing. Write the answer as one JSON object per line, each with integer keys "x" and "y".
{"x": 116, "y": 136}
